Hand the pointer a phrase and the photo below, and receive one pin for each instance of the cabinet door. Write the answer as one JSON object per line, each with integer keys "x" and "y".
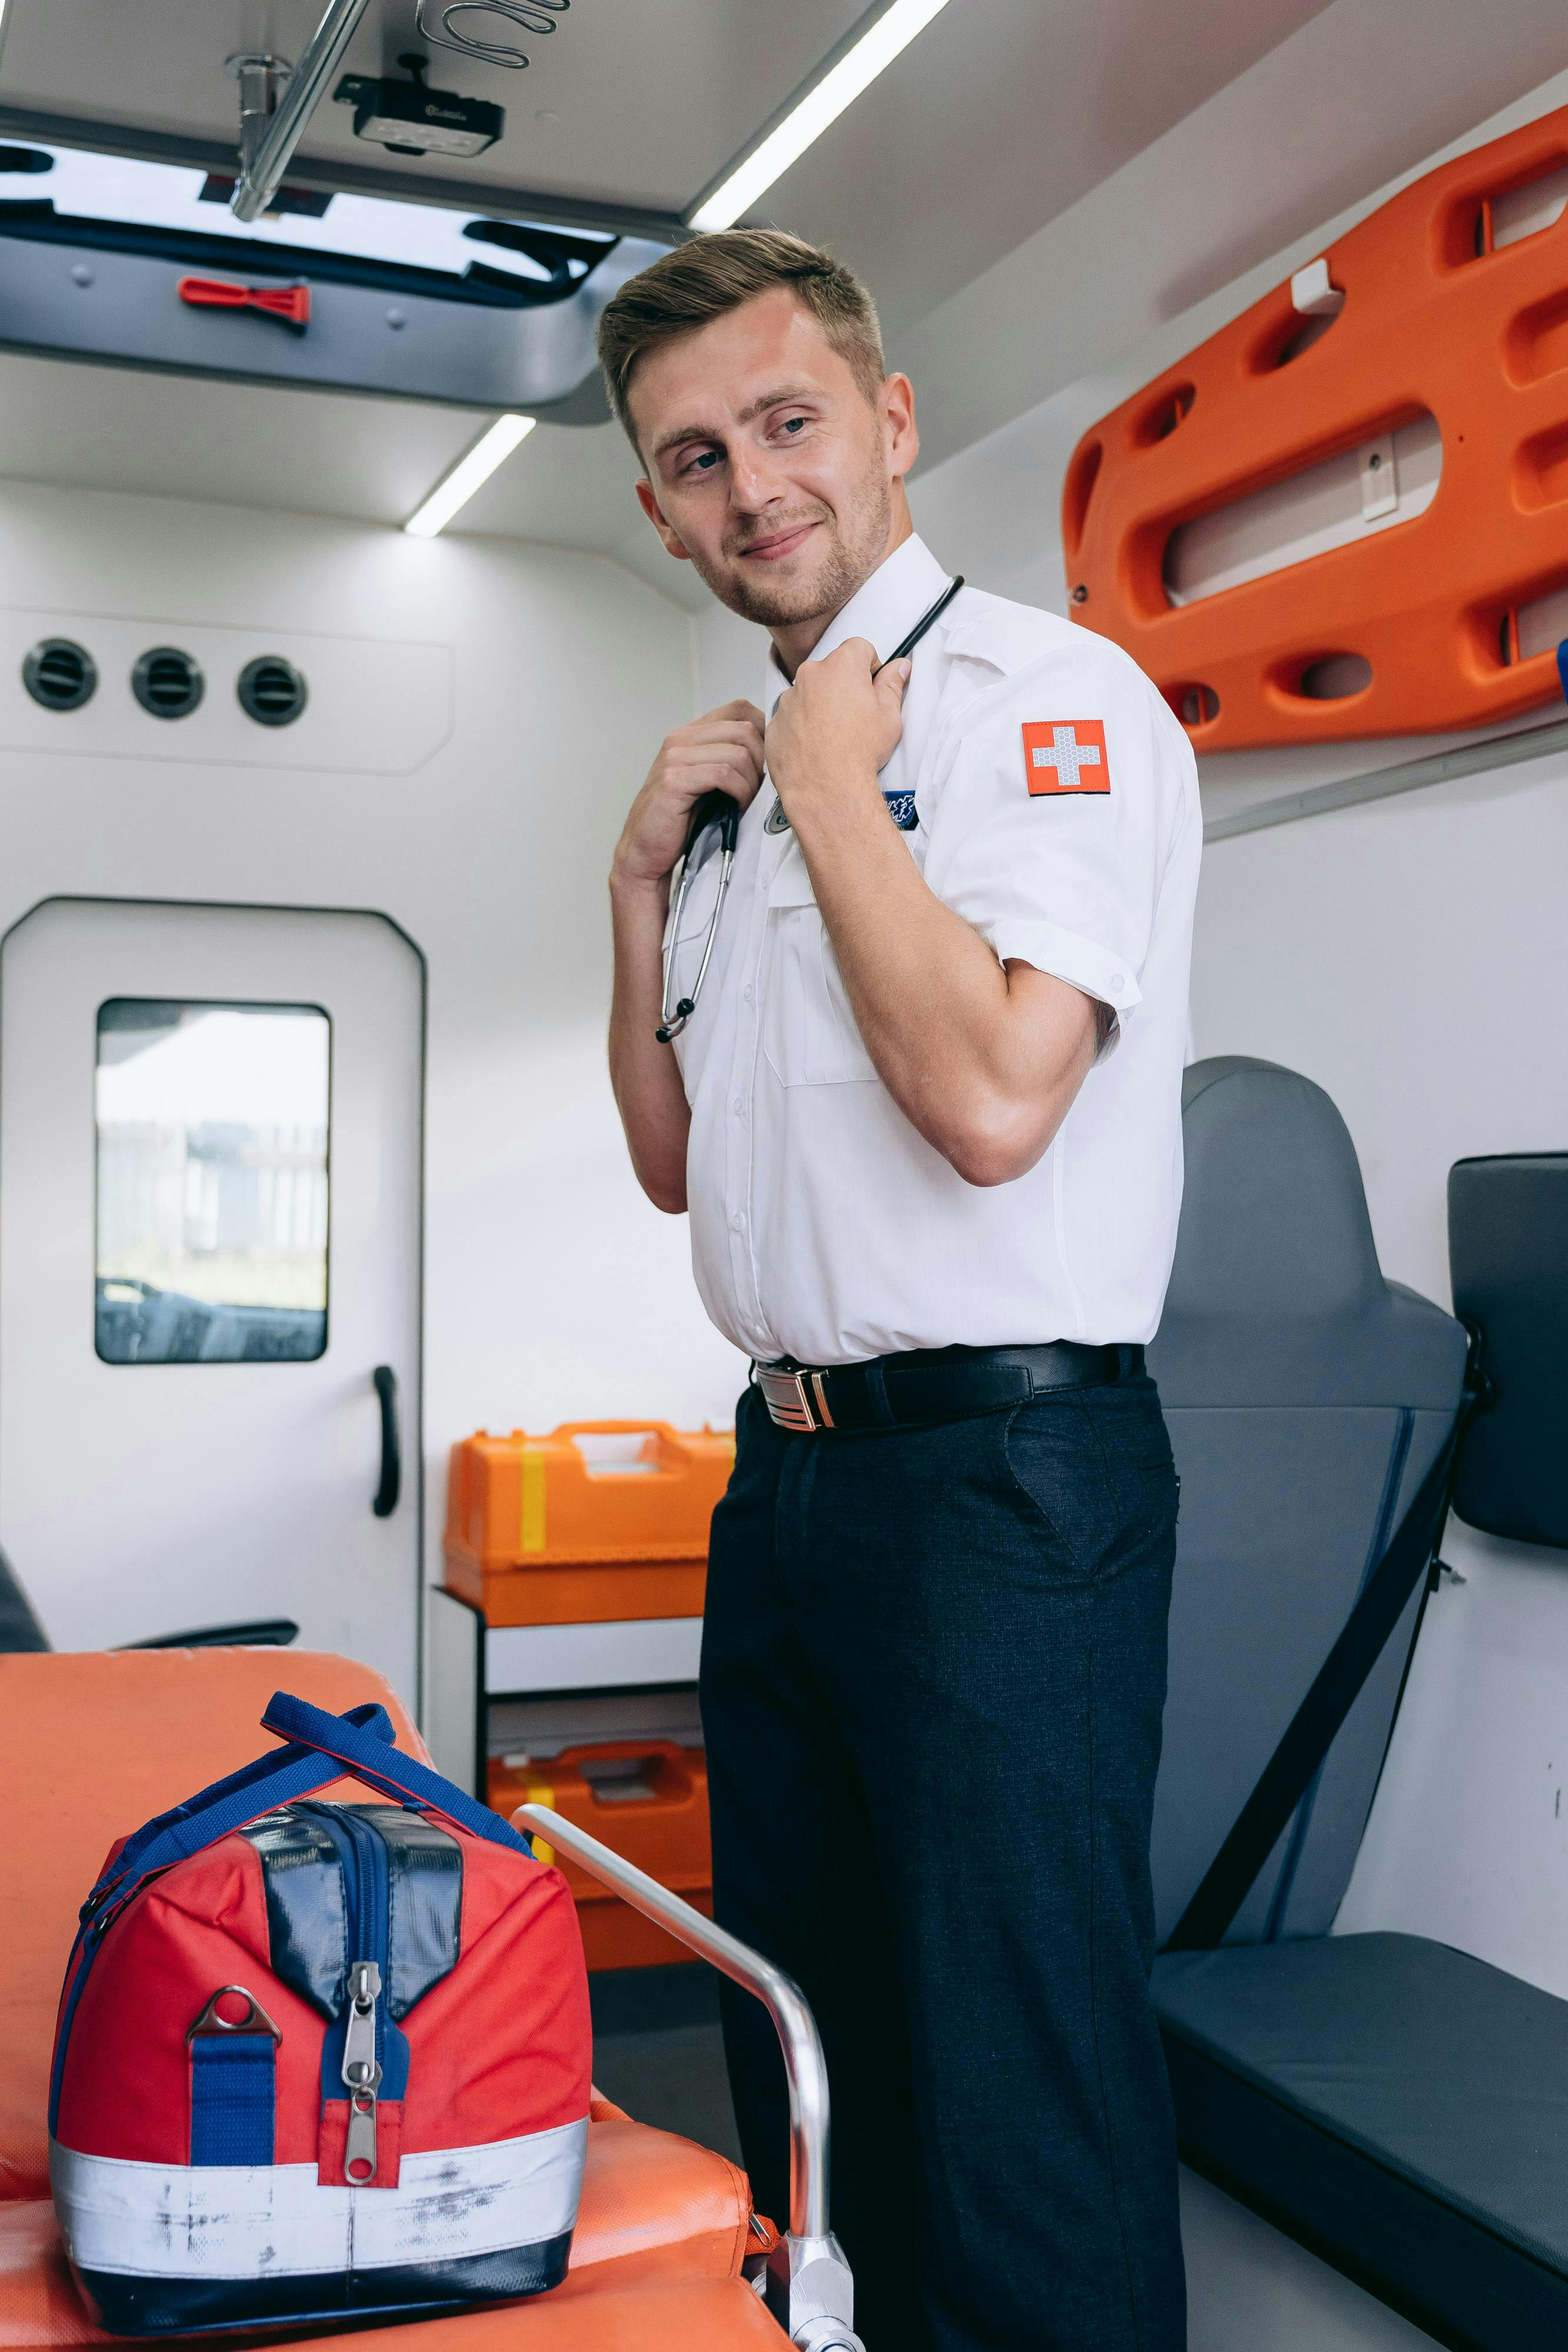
{"x": 210, "y": 1164}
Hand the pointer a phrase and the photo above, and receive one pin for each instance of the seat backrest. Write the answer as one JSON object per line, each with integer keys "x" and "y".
{"x": 92, "y": 1744}
{"x": 1307, "y": 1397}
{"x": 1508, "y": 1257}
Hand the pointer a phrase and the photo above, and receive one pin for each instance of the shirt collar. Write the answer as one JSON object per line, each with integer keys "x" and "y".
{"x": 884, "y": 608}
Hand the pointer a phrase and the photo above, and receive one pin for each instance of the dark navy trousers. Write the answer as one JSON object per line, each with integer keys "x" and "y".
{"x": 933, "y": 1672}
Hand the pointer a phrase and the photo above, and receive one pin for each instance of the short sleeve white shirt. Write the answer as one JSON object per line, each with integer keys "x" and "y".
{"x": 1057, "y": 812}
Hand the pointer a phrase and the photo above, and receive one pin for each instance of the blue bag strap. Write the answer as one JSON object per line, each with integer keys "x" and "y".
{"x": 395, "y": 1774}
{"x": 271, "y": 1780}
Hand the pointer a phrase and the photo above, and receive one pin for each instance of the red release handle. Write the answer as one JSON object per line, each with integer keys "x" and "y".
{"x": 290, "y": 303}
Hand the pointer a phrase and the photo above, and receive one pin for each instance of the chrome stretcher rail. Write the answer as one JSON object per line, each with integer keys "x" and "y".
{"x": 810, "y": 2290}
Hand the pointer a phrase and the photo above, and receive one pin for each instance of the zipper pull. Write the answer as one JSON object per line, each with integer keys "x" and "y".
{"x": 361, "y": 2072}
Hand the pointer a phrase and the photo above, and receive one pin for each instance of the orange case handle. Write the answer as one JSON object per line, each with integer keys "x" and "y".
{"x": 669, "y": 1439}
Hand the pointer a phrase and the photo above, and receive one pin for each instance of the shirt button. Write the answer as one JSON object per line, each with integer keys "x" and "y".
{"x": 739, "y": 1106}
{"x": 738, "y": 1222}
{"x": 748, "y": 992}
{"x": 1118, "y": 979}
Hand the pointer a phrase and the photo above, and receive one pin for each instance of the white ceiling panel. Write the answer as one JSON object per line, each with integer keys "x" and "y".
{"x": 1002, "y": 114}
{"x": 639, "y": 105}
{"x": 372, "y": 461}
{"x": 189, "y": 437}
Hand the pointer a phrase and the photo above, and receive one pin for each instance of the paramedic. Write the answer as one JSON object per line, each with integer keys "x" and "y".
{"x": 926, "y": 1117}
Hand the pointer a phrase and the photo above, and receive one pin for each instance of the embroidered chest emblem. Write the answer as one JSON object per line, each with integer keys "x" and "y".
{"x": 1065, "y": 755}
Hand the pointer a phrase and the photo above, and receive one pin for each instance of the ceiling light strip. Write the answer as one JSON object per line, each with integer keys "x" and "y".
{"x": 469, "y": 474}
{"x": 811, "y": 115}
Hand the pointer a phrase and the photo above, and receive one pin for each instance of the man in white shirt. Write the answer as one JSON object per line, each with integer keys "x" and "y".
{"x": 913, "y": 1067}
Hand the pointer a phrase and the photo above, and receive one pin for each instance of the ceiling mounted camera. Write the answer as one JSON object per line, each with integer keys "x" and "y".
{"x": 412, "y": 119}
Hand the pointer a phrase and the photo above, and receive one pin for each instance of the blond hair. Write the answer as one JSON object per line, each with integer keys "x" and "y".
{"x": 712, "y": 275}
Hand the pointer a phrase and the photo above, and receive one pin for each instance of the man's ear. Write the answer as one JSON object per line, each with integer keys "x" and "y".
{"x": 648, "y": 501}
{"x": 896, "y": 402}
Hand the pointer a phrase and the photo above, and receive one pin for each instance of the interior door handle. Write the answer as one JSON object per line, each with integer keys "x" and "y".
{"x": 385, "y": 1382}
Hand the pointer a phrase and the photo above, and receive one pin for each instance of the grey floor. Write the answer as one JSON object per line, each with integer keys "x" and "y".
{"x": 657, "y": 2050}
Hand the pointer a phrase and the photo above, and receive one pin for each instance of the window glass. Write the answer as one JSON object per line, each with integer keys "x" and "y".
{"x": 212, "y": 1181}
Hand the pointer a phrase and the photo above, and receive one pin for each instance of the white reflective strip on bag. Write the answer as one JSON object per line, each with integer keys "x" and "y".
{"x": 274, "y": 2220}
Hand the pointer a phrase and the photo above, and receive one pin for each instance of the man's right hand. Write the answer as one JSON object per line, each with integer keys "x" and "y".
{"x": 722, "y": 751}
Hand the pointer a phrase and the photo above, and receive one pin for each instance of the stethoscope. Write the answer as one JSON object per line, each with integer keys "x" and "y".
{"x": 721, "y": 811}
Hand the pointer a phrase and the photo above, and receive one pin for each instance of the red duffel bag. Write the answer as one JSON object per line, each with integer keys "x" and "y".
{"x": 319, "y": 2058}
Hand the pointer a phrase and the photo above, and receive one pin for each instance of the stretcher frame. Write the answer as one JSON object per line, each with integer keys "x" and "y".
{"x": 810, "y": 2290}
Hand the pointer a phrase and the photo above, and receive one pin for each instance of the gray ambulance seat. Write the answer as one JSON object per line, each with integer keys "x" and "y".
{"x": 1400, "y": 2108}
{"x": 1508, "y": 1258}
{"x": 1307, "y": 1399}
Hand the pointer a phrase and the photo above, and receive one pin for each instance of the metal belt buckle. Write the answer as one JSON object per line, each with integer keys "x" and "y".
{"x": 790, "y": 1400}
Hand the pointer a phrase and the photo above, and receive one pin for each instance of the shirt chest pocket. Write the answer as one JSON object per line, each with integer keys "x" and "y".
{"x": 808, "y": 1033}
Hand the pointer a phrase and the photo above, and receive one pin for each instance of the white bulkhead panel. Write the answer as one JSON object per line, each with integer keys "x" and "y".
{"x": 374, "y": 706}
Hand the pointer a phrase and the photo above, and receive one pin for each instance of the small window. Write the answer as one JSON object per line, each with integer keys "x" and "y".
{"x": 212, "y": 1181}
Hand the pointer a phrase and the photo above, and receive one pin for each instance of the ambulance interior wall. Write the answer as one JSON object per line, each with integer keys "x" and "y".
{"x": 1410, "y": 956}
{"x": 553, "y": 1291}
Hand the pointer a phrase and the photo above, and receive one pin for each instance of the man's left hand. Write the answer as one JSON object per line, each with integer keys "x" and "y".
{"x": 838, "y": 725}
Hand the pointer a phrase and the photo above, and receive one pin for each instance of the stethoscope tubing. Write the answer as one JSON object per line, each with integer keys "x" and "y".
{"x": 722, "y": 809}
{"x": 927, "y": 620}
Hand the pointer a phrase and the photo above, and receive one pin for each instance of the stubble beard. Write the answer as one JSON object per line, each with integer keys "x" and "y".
{"x": 850, "y": 546}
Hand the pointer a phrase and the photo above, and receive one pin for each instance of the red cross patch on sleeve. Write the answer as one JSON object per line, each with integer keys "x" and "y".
{"x": 1065, "y": 755}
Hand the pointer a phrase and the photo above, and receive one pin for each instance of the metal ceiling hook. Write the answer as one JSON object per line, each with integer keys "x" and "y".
{"x": 528, "y": 16}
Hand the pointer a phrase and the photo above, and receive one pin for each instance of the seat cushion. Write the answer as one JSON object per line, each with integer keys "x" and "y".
{"x": 1397, "y": 2106}
{"x": 650, "y": 2197}
{"x": 669, "y": 2315}
{"x": 626, "y": 2307}
{"x": 92, "y": 1744}
{"x": 654, "y": 2208}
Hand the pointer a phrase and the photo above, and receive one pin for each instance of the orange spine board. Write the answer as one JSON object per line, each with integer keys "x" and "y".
{"x": 1434, "y": 320}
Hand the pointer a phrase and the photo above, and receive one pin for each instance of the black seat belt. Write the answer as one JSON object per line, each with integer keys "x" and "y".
{"x": 1288, "y": 1773}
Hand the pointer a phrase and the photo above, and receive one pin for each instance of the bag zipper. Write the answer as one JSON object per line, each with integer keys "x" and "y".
{"x": 362, "y": 2070}
{"x": 362, "y": 2041}
{"x": 368, "y": 1923}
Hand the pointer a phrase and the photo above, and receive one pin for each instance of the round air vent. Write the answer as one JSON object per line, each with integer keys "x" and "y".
{"x": 272, "y": 691}
{"x": 60, "y": 674}
{"x": 167, "y": 682}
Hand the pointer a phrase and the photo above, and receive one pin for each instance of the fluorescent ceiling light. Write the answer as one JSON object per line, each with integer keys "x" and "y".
{"x": 469, "y": 474}
{"x": 823, "y": 104}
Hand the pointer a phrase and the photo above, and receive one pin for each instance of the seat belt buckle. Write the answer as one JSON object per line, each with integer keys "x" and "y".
{"x": 791, "y": 1401}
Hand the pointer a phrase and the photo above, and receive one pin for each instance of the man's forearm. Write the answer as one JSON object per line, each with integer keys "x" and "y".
{"x": 644, "y": 1075}
{"x": 985, "y": 1062}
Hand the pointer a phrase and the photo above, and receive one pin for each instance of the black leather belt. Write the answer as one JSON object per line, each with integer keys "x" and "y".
{"x": 930, "y": 1384}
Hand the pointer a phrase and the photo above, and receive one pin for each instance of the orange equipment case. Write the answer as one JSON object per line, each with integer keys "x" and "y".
{"x": 535, "y": 1536}
{"x": 1436, "y": 320}
{"x": 656, "y": 1818}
